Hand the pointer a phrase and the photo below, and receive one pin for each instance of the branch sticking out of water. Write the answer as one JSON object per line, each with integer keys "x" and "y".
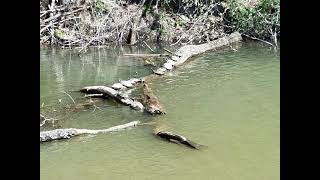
{"x": 254, "y": 38}
{"x": 69, "y": 97}
{"x": 71, "y": 132}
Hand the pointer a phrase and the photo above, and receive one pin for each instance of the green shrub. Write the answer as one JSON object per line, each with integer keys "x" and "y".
{"x": 260, "y": 21}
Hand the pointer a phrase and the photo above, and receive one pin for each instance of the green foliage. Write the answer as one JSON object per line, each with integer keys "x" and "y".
{"x": 99, "y": 7}
{"x": 187, "y": 7}
{"x": 261, "y": 20}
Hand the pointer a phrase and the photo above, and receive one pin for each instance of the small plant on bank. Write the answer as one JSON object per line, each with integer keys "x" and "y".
{"x": 257, "y": 19}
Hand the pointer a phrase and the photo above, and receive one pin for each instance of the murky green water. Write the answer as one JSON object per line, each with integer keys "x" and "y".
{"x": 228, "y": 101}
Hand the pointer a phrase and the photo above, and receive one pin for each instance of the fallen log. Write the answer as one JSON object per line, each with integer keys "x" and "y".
{"x": 107, "y": 91}
{"x": 177, "y": 58}
{"x": 71, "y": 132}
{"x": 115, "y": 94}
{"x": 147, "y": 55}
{"x": 186, "y": 52}
{"x": 175, "y": 138}
{"x": 94, "y": 95}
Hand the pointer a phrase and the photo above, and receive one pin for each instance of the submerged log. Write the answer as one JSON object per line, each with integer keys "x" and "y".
{"x": 172, "y": 137}
{"x": 84, "y": 105}
{"x": 71, "y": 132}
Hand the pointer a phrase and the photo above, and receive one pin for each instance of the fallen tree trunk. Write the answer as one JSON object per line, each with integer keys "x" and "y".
{"x": 186, "y": 52}
{"x": 178, "y": 58}
{"x": 70, "y": 132}
{"x": 172, "y": 137}
{"x": 147, "y": 55}
{"x": 115, "y": 94}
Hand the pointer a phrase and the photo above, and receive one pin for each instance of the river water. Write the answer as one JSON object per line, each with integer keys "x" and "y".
{"x": 227, "y": 100}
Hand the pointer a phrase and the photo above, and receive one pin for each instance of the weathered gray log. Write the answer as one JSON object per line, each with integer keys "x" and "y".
{"x": 172, "y": 137}
{"x": 117, "y": 95}
{"x": 71, "y": 132}
{"x": 186, "y": 52}
{"x": 147, "y": 55}
{"x": 100, "y": 90}
{"x": 94, "y": 95}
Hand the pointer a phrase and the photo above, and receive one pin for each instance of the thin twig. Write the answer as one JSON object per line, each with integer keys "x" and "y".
{"x": 254, "y": 38}
{"x": 171, "y": 52}
{"x": 168, "y": 51}
{"x": 69, "y": 96}
{"x": 51, "y": 18}
{"x": 49, "y": 25}
{"x": 98, "y": 32}
{"x": 148, "y": 46}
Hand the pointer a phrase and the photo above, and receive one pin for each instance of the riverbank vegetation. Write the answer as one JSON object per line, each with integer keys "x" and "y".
{"x": 83, "y": 23}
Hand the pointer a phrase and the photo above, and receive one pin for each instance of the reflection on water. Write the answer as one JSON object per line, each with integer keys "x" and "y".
{"x": 227, "y": 100}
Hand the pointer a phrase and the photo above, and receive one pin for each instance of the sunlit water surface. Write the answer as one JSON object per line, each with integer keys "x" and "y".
{"x": 227, "y": 100}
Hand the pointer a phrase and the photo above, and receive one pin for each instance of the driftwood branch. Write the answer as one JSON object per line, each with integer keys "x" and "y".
{"x": 116, "y": 92}
{"x": 169, "y": 51}
{"x": 148, "y": 46}
{"x": 254, "y": 38}
{"x": 70, "y": 132}
{"x": 172, "y": 137}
